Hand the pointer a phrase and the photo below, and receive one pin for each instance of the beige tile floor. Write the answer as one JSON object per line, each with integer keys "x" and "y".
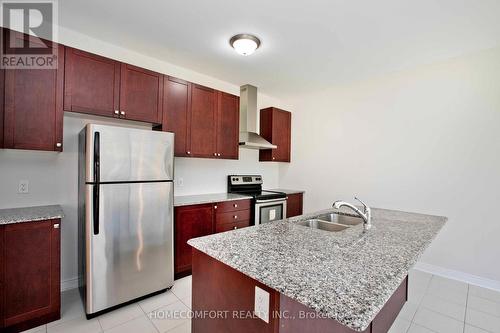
{"x": 435, "y": 304}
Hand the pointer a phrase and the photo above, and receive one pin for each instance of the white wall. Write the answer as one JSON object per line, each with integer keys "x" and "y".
{"x": 424, "y": 140}
{"x": 53, "y": 176}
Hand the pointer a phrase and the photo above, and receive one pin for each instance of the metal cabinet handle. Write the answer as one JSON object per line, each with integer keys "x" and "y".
{"x": 215, "y": 154}
{"x": 274, "y": 158}
{"x": 117, "y": 112}
{"x": 235, "y": 217}
{"x": 215, "y": 207}
{"x": 235, "y": 228}
{"x": 188, "y": 152}
{"x": 58, "y": 145}
{"x": 122, "y": 113}
{"x": 218, "y": 154}
{"x": 235, "y": 205}
{"x": 56, "y": 226}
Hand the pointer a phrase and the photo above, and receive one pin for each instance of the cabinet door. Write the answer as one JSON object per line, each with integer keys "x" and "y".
{"x": 202, "y": 131}
{"x": 294, "y": 205}
{"x": 176, "y": 111}
{"x": 190, "y": 222}
{"x": 31, "y": 268}
{"x": 33, "y": 116}
{"x": 141, "y": 94}
{"x": 281, "y": 135}
{"x": 275, "y": 126}
{"x": 228, "y": 125}
{"x": 91, "y": 83}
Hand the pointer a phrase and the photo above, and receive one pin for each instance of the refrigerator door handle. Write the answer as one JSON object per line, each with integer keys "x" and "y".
{"x": 97, "y": 179}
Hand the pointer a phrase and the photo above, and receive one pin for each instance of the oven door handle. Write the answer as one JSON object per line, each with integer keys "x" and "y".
{"x": 271, "y": 200}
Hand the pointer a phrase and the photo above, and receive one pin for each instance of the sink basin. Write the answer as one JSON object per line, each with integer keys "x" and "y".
{"x": 341, "y": 219}
{"x": 322, "y": 225}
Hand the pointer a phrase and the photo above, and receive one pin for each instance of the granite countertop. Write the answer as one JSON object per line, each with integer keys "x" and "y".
{"x": 287, "y": 191}
{"x": 30, "y": 214}
{"x": 347, "y": 276}
{"x": 186, "y": 200}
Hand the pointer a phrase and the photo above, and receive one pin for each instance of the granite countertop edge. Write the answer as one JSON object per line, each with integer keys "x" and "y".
{"x": 357, "y": 321}
{"x": 30, "y": 214}
{"x": 287, "y": 190}
{"x": 200, "y": 199}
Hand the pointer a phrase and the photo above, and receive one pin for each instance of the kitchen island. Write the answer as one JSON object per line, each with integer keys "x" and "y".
{"x": 317, "y": 281}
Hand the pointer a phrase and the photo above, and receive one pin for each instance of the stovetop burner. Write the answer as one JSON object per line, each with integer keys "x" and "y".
{"x": 251, "y": 185}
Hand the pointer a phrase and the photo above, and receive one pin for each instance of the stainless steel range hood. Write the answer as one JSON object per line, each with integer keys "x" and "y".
{"x": 248, "y": 120}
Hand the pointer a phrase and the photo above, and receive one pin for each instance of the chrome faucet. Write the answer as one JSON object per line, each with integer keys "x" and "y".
{"x": 366, "y": 214}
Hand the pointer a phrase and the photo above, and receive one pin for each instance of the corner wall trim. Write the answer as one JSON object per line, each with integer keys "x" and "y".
{"x": 460, "y": 276}
{"x": 69, "y": 284}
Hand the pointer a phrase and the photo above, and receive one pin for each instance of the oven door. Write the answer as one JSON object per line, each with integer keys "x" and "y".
{"x": 270, "y": 210}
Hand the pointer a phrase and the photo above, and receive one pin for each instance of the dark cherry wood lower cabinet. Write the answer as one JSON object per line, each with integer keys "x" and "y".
{"x": 218, "y": 287}
{"x": 294, "y": 204}
{"x": 200, "y": 220}
{"x": 189, "y": 222}
{"x": 29, "y": 274}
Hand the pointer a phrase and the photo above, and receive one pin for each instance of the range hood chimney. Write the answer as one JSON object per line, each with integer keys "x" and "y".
{"x": 248, "y": 120}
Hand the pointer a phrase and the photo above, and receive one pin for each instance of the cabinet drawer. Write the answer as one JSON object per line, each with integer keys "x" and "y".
{"x": 231, "y": 217}
{"x": 232, "y": 226}
{"x": 230, "y": 206}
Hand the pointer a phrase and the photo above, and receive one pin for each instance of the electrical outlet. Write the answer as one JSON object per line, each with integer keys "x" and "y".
{"x": 180, "y": 182}
{"x": 261, "y": 307}
{"x": 23, "y": 186}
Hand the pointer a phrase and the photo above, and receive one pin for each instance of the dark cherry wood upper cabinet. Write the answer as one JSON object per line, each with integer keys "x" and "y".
{"x": 294, "y": 204}
{"x": 189, "y": 222}
{"x": 203, "y": 122}
{"x": 276, "y": 127}
{"x": 29, "y": 274}
{"x": 91, "y": 83}
{"x": 228, "y": 125}
{"x": 141, "y": 93}
{"x": 33, "y": 111}
{"x": 176, "y": 112}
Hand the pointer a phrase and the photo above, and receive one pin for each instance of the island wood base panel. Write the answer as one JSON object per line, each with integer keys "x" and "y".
{"x": 218, "y": 288}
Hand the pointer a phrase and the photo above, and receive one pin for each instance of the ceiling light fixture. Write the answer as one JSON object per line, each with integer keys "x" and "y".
{"x": 244, "y": 44}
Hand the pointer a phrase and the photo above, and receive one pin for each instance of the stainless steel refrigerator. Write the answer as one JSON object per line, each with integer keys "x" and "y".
{"x": 125, "y": 214}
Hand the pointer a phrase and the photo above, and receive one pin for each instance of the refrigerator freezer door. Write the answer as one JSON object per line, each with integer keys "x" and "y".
{"x": 128, "y": 154}
{"x": 132, "y": 254}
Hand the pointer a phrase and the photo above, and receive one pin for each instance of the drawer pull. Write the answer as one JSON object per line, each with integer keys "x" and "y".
{"x": 235, "y": 205}
{"x": 215, "y": 207}
{"x": 235, "y": 217}
{"x": 235, "y": 228}
{"x": 56, "y": 226}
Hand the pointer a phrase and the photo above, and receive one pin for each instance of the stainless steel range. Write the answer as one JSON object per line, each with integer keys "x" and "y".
{"x": 268, "y": 205}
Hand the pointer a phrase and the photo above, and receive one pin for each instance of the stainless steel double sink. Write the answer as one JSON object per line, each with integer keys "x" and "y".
{"x": 331, "y": 222}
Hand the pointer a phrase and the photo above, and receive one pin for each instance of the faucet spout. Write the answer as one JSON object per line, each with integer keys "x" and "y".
{"x": 365, "y": 215}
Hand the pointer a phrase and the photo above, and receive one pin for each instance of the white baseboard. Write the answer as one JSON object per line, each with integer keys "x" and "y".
{"x": 69, "y": 284}
{"x": 460, "y": 276}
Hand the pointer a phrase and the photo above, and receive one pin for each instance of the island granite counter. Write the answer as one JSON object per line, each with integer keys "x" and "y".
{"x": 347, "y": 276}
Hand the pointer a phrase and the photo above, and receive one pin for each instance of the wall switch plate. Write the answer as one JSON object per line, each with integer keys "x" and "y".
{"x": 23, "y": 186}
{"x": 261, "y": 307}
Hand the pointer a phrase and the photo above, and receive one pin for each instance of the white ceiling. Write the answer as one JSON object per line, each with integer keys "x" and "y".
{"x": 306, "y": 45}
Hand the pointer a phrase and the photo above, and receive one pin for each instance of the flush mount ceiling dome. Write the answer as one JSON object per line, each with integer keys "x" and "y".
{"x": 244, "y": 44}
